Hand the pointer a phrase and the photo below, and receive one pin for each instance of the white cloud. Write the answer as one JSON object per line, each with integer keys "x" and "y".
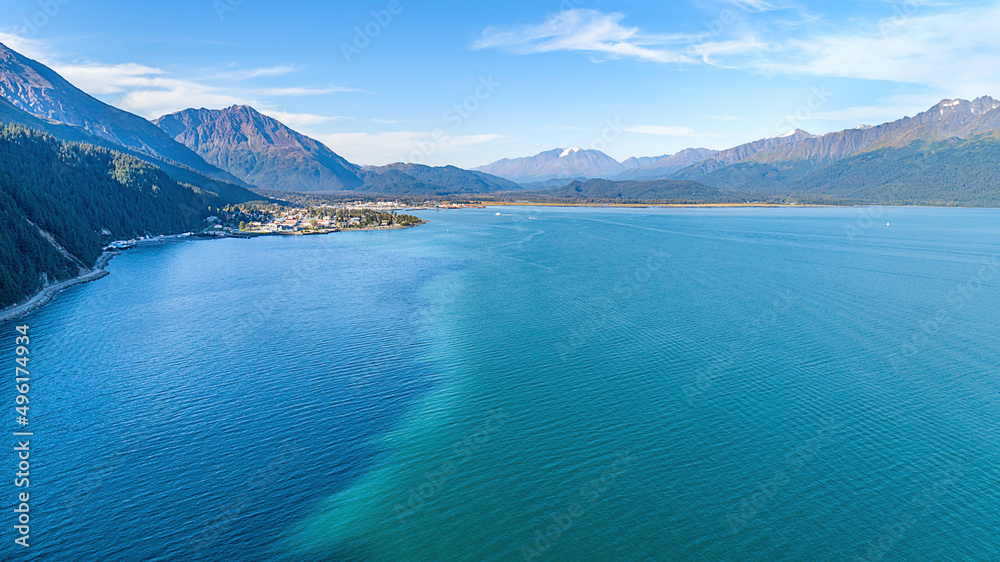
{"x": 659, "y": 130}
{"x": 753, "y": 5}
{"x": 952, "y": 50}
{"x": 296, "y": 120}
{"x": 946, "y": 46}
{"x": 31, "y": 48}
{"x": 402, "y": 146}
{"x": 588, "y": 31}
{"x": 151, "y": 92}
{"x": 262, "y": 72}
{"x": 97, "y": 79}
{"x": 154, "y": 103}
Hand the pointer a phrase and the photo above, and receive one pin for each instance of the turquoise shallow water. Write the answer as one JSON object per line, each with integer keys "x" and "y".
{"x": 549, "y": 384}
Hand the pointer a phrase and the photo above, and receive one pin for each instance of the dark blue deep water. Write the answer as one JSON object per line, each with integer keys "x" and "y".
{"x": 548, "y": 384}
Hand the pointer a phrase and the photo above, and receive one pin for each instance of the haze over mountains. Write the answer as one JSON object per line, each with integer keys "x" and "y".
{"x": 559, "y": 163}
{"x": 576, "y": 163}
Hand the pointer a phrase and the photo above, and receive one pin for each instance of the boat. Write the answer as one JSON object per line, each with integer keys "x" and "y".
{"x": 498, "y": 214}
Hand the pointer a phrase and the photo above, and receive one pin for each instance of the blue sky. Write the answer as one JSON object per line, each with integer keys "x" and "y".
{"x": 467, "y": 83}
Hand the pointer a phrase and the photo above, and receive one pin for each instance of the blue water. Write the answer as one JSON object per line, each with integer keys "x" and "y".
{"x": 549, "y": 384}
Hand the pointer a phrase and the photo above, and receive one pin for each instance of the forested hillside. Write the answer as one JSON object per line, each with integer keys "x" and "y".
{"x": 657, "y": 191}
{"x": 83, "y": 196}
{"x": 951, "y": 172}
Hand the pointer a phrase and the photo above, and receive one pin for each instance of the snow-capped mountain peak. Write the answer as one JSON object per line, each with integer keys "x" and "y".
{"x": 569, "y": 151}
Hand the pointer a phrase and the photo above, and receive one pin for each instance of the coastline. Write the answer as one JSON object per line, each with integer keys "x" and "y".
{"x": 643, "y": 205}
{"x": 45, "y": 295}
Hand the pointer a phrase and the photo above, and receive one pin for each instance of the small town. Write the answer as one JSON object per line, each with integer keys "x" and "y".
{"x": 255, "y": 219}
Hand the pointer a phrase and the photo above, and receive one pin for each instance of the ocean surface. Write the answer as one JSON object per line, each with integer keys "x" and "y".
{"x": 547, "y": 384}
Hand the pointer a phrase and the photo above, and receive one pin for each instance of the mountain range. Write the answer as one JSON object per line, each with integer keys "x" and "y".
{"x": 560, "y": 163}
{"x": 220, "y": 151}
{"x": 36, "y": 89}
{"x": 800, "y": 166}
{"x": 76, "y": 172}
{"x": 263, "y": 152}
{"x": 570, "y": 164}
{"x": 224, "y": 151}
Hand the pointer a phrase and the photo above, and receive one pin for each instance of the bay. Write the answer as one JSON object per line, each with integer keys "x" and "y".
{"x": 550, "y": 384}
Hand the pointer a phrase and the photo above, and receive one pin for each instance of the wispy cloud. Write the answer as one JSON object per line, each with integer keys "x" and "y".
{"x": 946, "y": 48}
{"x": 588, "y": 31}
{"x": 753, "y": 5}
{"x": 31, "y": 48}
{"x": 296, "y": 120}
{"x": 151, "y": 92}
{"x": 146, "y": 90}
{"x": 262, "y": 72}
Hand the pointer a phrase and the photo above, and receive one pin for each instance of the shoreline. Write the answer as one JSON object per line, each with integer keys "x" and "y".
{"x": 642, "y": 205}
{"x": 45, "y": 295}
